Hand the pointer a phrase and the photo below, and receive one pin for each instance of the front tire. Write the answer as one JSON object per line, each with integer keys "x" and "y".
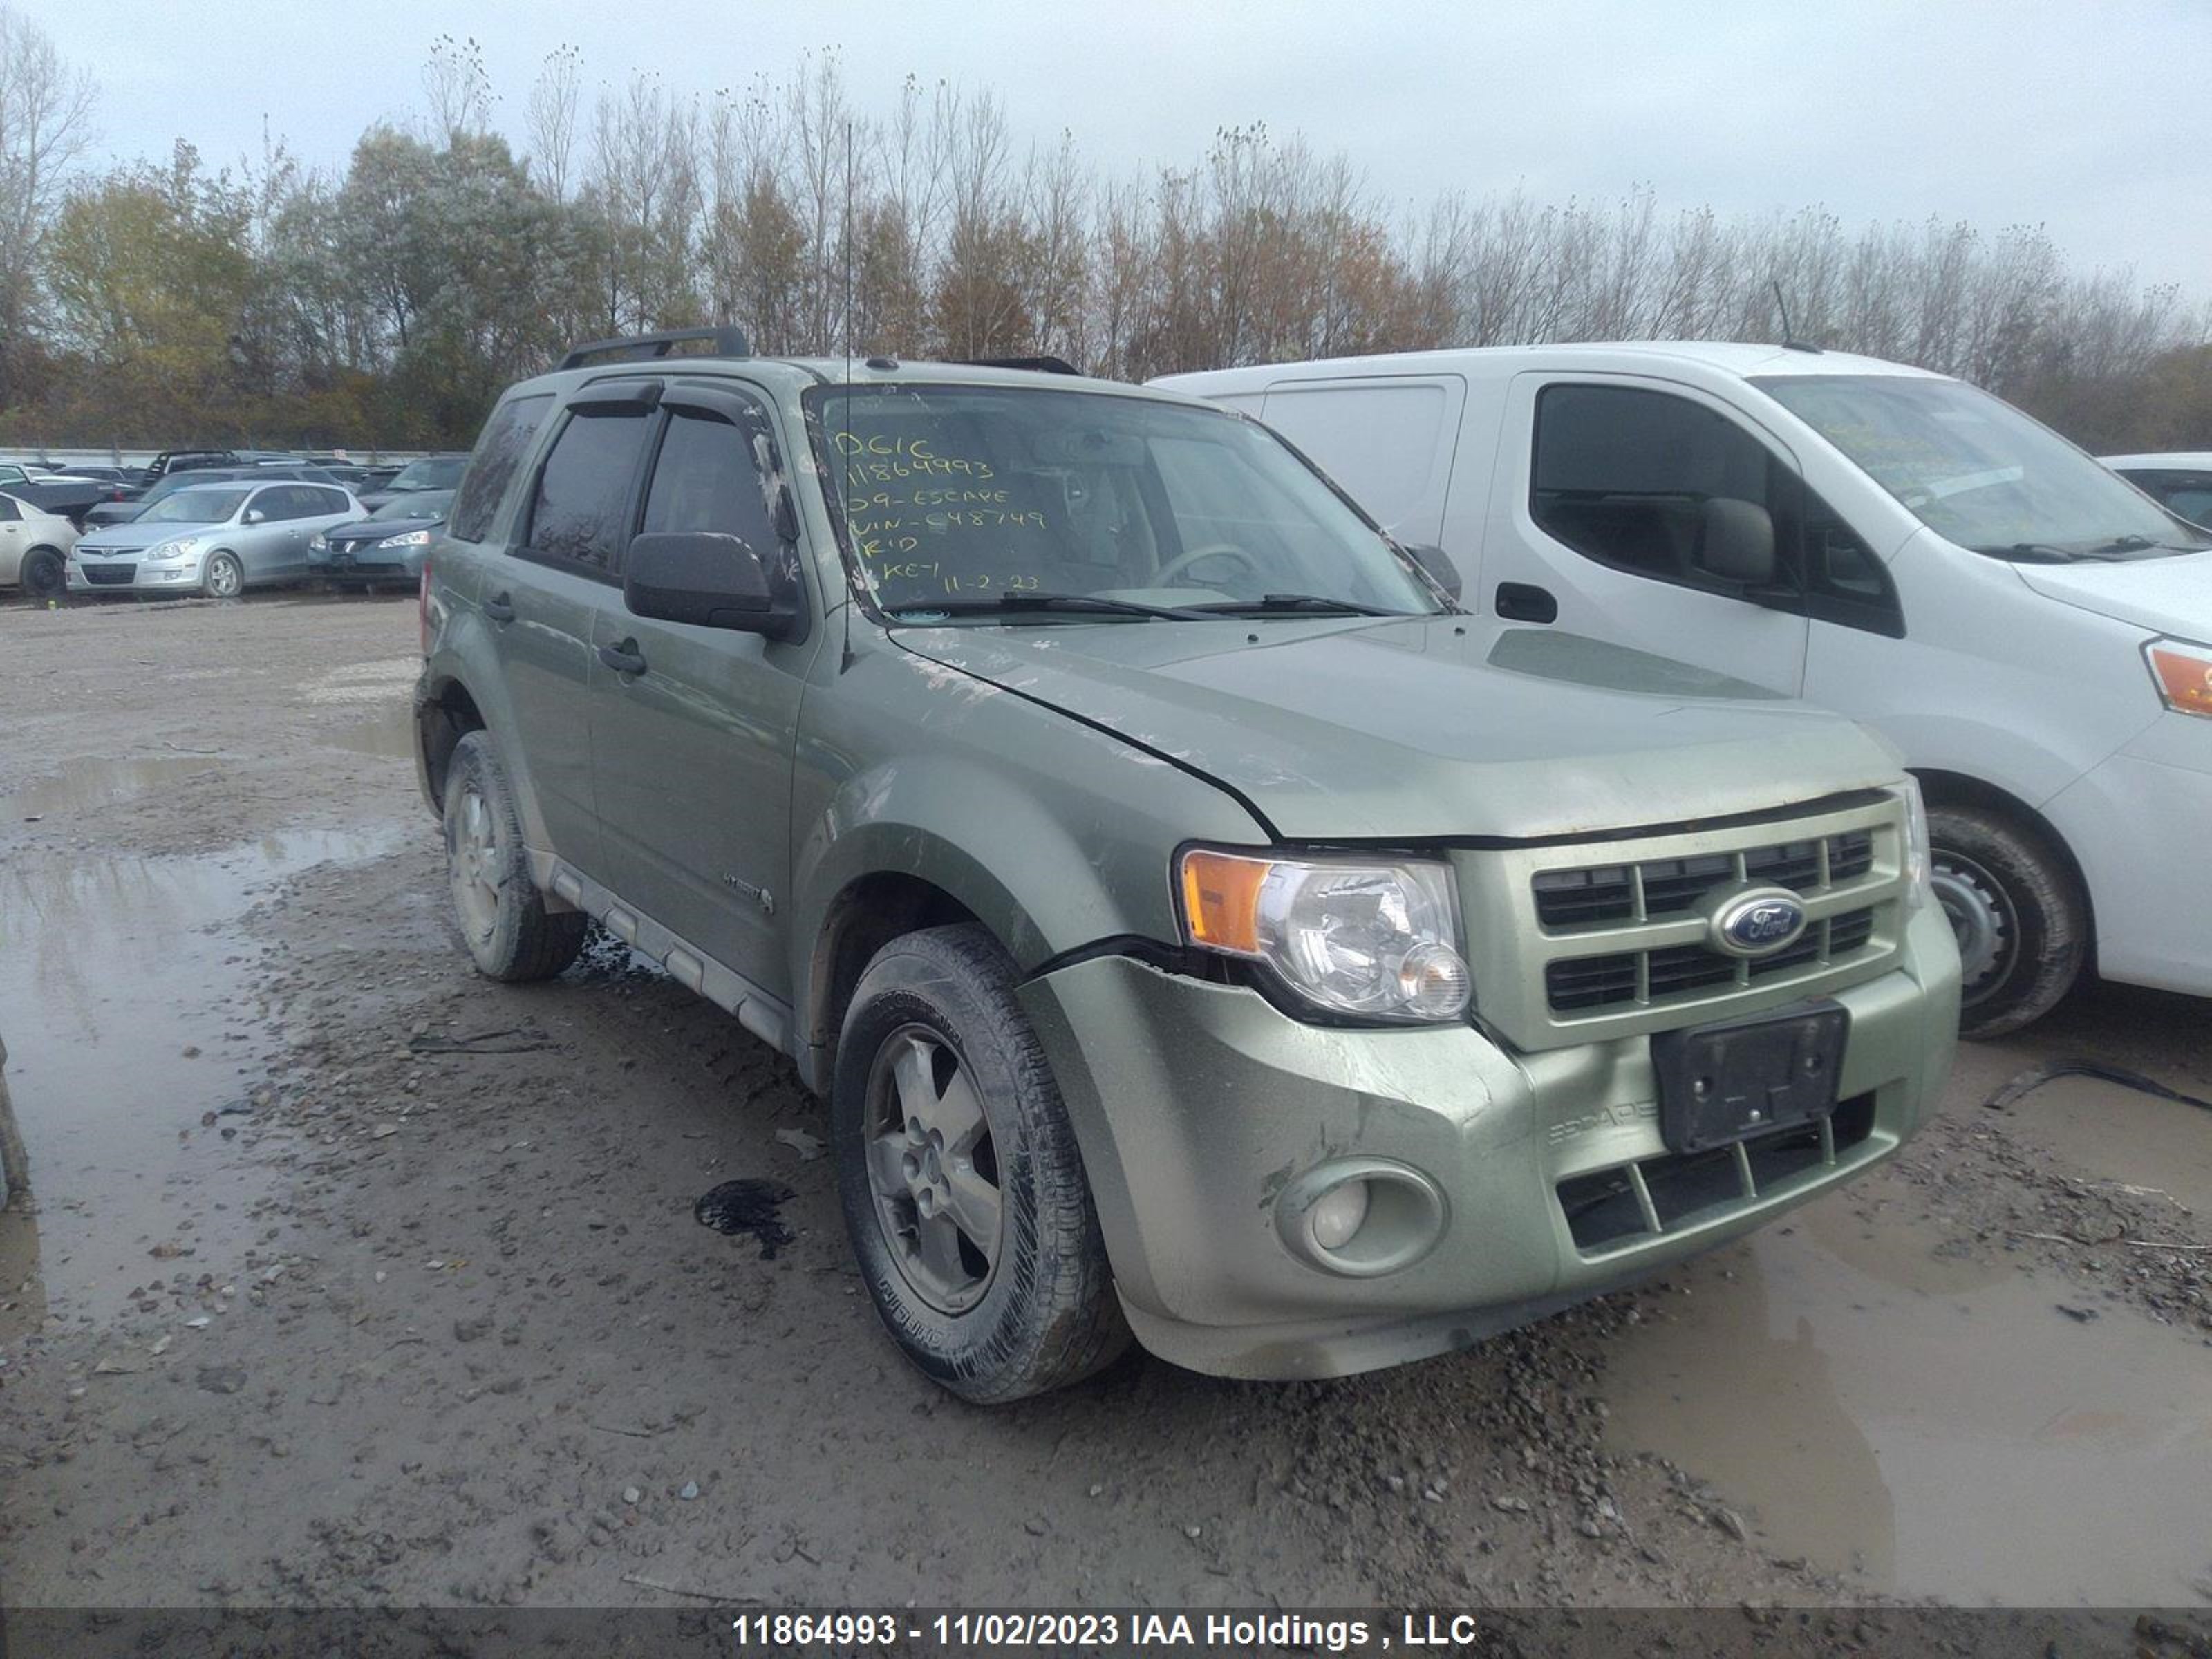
{"x": 962, "y": 1188}
{"x": 2017, "y": 911}
{"x": 510, "y": 934}
{"x": 224, "y": 578}
{"x": 44, "y": 575}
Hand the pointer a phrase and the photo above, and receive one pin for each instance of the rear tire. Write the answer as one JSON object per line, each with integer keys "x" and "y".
{"x": 510, "y": 934}
{"x": 962, "y": 1184}
{"x": 2018, "y": 912}
{"x": 44, "y": 575}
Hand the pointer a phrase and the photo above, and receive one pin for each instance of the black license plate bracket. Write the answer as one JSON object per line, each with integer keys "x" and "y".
{"x": 1730, "y": 1080}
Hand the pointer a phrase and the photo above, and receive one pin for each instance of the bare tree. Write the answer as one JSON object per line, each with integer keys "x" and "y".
{"x": 550, "y": 120}
{"x": 45, "y": 127}
{"x": 458, "y": 89}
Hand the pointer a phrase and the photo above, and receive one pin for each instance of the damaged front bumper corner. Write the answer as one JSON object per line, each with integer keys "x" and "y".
{"x": 1212, "y": 1125}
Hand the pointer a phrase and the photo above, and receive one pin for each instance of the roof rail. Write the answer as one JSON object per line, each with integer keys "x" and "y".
{"x": 1034, "y": 365}
{"x": 729, "y": 341}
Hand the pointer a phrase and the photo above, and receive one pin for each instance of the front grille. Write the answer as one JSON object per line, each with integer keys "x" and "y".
{"x": 1651, "y": 888}
{"x": 1612, "y": 938}
{"x": 110, "y": 575}
{"x": 1653, "y": 1196}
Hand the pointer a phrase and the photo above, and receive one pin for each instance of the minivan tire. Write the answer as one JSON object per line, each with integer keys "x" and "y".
{"x": 1042, "y": 1313}
{"x": 510, "y": 934}
{"x": 2018, "y": 910}
{"x": 44, "y": 575}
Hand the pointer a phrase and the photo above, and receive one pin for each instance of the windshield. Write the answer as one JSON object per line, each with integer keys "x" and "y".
{"x": 194, "y": 507}
{"x": 421, "y": 504}
{"x": 438, "y": 472}
{"x": 955, "y": 497}
{"x": 1978, "y": 472}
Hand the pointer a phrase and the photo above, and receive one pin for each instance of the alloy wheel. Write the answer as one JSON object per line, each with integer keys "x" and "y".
{"x": 472, "y": 860}
{"x": 933, "y": 1170}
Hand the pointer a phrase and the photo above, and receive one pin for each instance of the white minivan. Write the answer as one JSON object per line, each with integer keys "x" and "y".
{"x": 2034, "y": 633}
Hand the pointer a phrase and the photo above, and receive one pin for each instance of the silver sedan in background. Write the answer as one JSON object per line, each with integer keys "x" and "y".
{"x": 218, "y": 539}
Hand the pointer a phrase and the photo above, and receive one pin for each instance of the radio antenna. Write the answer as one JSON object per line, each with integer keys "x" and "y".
{"x": 852, "y": 598}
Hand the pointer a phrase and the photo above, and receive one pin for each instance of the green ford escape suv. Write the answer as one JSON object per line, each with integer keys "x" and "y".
{"x": 1199, "y": 925}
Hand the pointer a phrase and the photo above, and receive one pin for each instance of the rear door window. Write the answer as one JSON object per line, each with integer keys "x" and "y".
{"x": 580, "y": 514}
{"x": 500, "y": 451}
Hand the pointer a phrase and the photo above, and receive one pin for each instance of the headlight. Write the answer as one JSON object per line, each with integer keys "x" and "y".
{"x": 411, "y": 539}
{"x": 176, "y": 550}
{"x": 2184, "y": 673}
{"x": 1378, "y": 938}
{"x": 319, "y": 543}
{"x": 1917, "y": 868}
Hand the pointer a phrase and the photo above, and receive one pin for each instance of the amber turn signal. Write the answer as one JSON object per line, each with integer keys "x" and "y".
{"x": 2183, "y": 675}
{"x": 1221, "y": 900}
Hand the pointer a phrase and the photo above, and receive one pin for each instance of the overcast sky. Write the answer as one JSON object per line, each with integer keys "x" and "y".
{"x": 2090, "y": 119}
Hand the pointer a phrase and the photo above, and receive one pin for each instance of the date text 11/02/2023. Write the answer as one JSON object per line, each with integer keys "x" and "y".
{"x": 1047, "y": 1630}
{"x": 906, "y": 507}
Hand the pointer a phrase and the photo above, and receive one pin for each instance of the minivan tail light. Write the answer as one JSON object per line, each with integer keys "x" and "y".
{"x": 422, "y": 608}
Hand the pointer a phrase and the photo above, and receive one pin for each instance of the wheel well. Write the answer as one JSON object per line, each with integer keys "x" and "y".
{"x": 444, "y": 721}
{"x": 1957, "y": 789}
{"x": 868, "y": 914}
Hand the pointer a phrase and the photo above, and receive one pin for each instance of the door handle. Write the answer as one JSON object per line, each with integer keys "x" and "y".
{"x": 623, "y": 659}
{"x": 498, "y": 607}
{"x": 1520, "y": 602}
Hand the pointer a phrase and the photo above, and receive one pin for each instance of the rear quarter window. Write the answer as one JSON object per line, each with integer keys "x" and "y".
{"x": 498, "y": 455}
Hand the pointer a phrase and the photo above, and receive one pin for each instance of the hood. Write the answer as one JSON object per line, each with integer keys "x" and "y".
{"x": 1428, "y": 727}
{"x": 133, "y": 536}
{"x": 363, "y": 530}
{"x": 2171, "y": 595}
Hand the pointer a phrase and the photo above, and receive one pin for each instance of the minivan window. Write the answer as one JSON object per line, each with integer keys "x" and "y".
{"x": 1623, "y": 476}
{"x": 580, "y": 513}
{"x": 952, "y": 497}
{"x": 1978, "y": 472}
{"x": 500, "y": 451}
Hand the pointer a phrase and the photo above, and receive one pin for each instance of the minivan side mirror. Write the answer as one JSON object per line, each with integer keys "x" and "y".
{"x": 1442, "y": 571}
{"x": 1738, "y": 542}
{"x": 704, "y": 578}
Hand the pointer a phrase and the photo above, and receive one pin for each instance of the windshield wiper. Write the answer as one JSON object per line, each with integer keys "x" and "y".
{"x": 2030, "y": 553}
{"x": 1033, "y": 601}
{"x": 1285, "y": 604}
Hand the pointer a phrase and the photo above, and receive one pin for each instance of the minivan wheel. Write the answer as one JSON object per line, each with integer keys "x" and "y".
{"x": 2017, "y": 912}
{"x": 960, "y": 1179}
{"x": 224, "y": 577}
{"x": 44, "y": 576}
{"x": 503, "y": 919}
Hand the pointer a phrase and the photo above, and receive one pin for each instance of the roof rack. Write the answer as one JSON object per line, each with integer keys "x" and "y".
{"x": 729, "y": 341}
{"x": 1034, "y": 365}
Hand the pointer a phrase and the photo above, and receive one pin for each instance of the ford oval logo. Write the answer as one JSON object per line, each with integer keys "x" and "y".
{"x": 1758, "y": 923}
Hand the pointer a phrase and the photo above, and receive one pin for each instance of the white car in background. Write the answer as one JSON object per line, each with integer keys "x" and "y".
{"x": 34, "y": 548}
{"x": 2180, "y": 483}
{"x": 217, "y": 538}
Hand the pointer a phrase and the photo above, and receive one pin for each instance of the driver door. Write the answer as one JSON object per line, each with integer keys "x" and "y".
{"x": 1611, "y": 515}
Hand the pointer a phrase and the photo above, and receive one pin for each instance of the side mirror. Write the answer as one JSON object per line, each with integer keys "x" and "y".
{"x": 1441, "y": 570}
{"x": 255, "y": 515}
{"x": 702, "y": 577}
{"x": 1737, "y": 544}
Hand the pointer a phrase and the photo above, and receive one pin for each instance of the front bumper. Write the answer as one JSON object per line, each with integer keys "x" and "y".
{"x": 180, "y": 575}
{"x": 2133, "y": 824}
{"x": 365, "y": 561}
{"x": 1201, "y": 1111}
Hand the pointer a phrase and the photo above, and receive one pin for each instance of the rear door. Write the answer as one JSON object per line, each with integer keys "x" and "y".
{"x": 543, "y": 598}
{"x": 1601, "y": 516}
{"x": 693, "y": 754}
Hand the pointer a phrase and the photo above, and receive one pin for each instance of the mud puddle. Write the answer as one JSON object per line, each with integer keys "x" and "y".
{"x": 1936, "y": 1426}
{"x": 124, "y": 1006}
{"x": 88, "y": 785}
{"x": 2121, "y": 1135}
{"x": 390, "y": 734}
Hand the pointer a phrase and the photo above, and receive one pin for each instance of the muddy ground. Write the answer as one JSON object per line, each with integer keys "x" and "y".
{"x": 326, "y": 1296}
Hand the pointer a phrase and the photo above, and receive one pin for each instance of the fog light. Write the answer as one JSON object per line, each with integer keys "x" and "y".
{"x": 1339, "y": 1215}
